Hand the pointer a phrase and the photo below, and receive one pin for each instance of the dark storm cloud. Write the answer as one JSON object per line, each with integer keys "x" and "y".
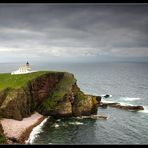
{"x": 62, "y": 30}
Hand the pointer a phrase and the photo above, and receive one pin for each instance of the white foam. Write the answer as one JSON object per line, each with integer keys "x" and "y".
{"x": 106, "y": 101}
{"x": 76, "y": 123}
{"x": 58, "y": 120}
{"x": 35, "y": 132}
{"x": 125, "y": 104}
{"x": 55, "y": 125}
{"x": 145, "y": 109}
{"x": 130, "y": 99}
{"x": 121, "y": 103}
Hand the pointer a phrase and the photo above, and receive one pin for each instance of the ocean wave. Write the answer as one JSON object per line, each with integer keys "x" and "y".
{"x": 125, "y": 104}
{"x": 76, "y": 123}
{"x": 55, "y": 125}
{"x": 106, "y": 101}
{"x": 35, "y": 132}
{"x": 121, "y": 103}
{"x": 145, "y": 109}
{"x": 58, "y": 120}
{"x": 130, "y": 99}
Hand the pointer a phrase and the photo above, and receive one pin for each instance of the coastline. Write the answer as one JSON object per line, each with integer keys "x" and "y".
{"x": 17, "y": 132}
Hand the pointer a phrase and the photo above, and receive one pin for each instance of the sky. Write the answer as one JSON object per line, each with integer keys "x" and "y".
{"x": 73, "y": 32}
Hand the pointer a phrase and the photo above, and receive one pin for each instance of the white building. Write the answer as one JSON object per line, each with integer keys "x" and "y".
{"x": 22, "y": 70}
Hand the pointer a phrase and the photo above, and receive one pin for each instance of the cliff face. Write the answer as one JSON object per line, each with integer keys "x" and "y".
{"x": 53, "y": 93}
{"x": 43, "y": 86}
{"x": 17, "y": 104}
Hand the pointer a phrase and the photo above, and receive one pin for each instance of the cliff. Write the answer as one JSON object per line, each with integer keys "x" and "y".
{"x": 49, "y": 93}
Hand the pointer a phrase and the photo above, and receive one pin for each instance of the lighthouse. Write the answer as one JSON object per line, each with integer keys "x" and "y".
{"x": 23, "y": 69}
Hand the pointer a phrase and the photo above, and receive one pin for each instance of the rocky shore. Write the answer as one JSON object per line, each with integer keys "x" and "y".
{"x": 17, "y": 132}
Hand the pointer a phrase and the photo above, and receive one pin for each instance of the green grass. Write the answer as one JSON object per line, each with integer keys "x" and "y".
{"x": 2, "y": 139}
{"x": 17, "y": 81}
{"x": 60, "y": 90}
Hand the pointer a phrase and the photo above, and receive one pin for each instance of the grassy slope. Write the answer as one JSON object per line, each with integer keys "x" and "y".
{"x": 16, "y": 81}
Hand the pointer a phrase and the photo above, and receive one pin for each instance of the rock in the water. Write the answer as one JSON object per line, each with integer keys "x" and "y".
{"x": 106, "y": 96}
{"x": 129, "y": 107}
{"x": 126, "y": 107}
{"x": 103, "y": 105}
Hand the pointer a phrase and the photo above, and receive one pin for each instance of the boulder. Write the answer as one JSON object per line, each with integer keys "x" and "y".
{"x": 106, "y": 96}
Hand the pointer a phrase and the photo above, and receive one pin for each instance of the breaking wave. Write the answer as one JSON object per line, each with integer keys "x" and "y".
{"x": 130, "y": 99}
{"x": 145, "y": 110}
{"x": 76, "y": 123}
{"x": 36, "y": 130}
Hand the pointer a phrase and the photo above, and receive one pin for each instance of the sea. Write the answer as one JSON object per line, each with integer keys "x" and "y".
{"x": 125, "y": 82}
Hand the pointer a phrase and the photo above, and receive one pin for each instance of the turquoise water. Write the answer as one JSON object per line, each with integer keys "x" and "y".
{"x": 126, "y": 82}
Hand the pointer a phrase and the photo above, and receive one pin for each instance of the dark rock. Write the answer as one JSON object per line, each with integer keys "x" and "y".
{"x": 103, "y": 105}
{"x": 109, "y": 104}
{"x": 106, "y": 96}
{"x": 98, "y": 98}
{"x": 129, "y": 107}
{"x": 126, "y": 107}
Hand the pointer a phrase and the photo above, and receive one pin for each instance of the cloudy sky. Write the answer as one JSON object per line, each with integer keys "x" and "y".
{"x": 73, "y": 31}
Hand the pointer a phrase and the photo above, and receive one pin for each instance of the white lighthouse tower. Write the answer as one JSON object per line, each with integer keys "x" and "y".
{"x": 23, "y": 69}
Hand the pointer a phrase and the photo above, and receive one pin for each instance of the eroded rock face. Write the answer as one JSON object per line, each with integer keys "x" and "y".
{"x": 84, "y": 107}
{"x": 43, "y": 86}
{"x": 83, "y": 104}
{"x": 17, "y": 104}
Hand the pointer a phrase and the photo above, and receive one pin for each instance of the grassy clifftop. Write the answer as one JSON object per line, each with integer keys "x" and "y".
{"x": 17, "y": 81}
